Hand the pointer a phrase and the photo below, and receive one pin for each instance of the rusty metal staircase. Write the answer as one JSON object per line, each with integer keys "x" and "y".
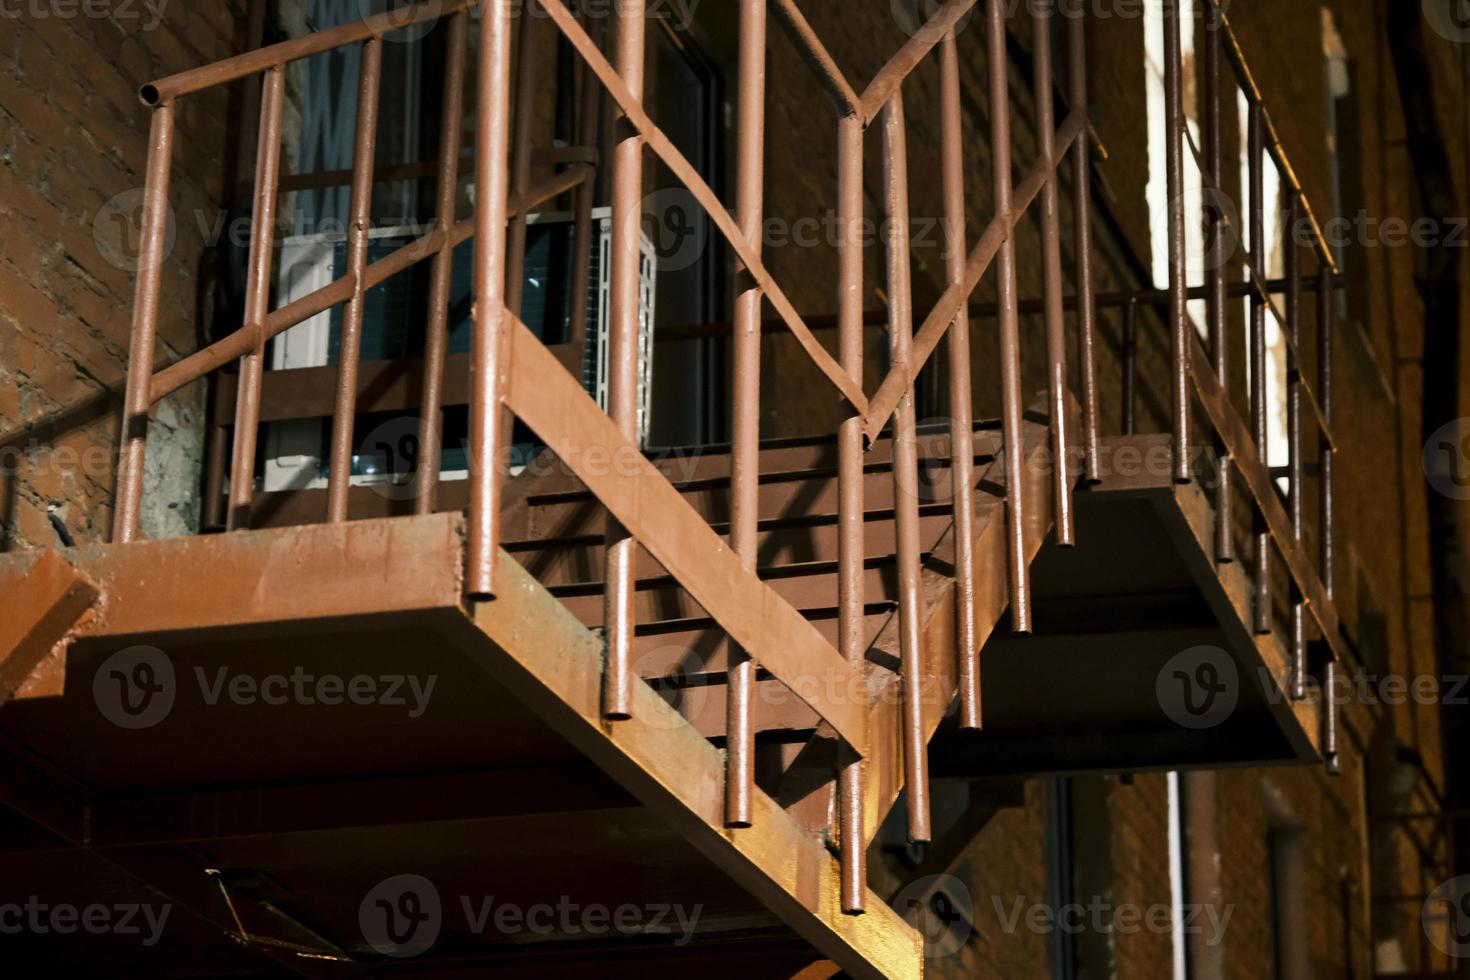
{"x": 702, "y": 679}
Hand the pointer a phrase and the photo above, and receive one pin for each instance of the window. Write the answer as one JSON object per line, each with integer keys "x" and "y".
{"x": 1158, "y": 138}
{"x": 689, "y": 375}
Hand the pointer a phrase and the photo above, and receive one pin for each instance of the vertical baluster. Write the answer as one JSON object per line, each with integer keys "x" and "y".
{"x": 1215, "y": 277}
{"x": 1051, "y": 264}
{"x": 491, "y": 348}
{"x": 1178, "y": 263}
{"x": 1082, "y": 217}
{"x": 344, "y": 411}
{"x": 906, "y": 470}
{"x": 590, "y": 99}
{"x": 961, "y": 407}
{"x": 850, "y": 583}
{"x": 622, "y": 372}
{"x": 1330, "y": 751}
{"x": 745, "y": 434}
{"x": 520, "y": 167}
{"x": 1019, "y": 571}
{"x": 215, "y": 452}
{"x": 1325, "y": 298}
{"x": 1294, "y": 498}
{"x": 257, "y": 295}
{"x": 1258, "y": 272}
{"x": 1130, "y": 366}
{"x": 441, "y": 274}
{"x": 136, "y": 400}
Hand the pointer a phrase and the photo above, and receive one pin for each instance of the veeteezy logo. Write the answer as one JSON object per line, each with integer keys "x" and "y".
{"x": 1446, "y": 918}
{"x": 1198, "y": 688}
{"x": 98, "y": 919}
{"x": 402, "y": 917}
{"x": 1450, "y": 19}
{"x": 148, "y": 13}
{"x": 139, "y": 687}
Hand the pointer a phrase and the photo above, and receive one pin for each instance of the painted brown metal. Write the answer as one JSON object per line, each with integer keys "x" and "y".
{"x": 745, "y": 418}
{"x": 490, "y": 345}
{"x": 511, "y": 367}
{"x": 1331, "y": 752}
{"x": 1082, "y": 218}
{"x": 823, "y": 65}
{"x": 552, "y": 402}
{"x": 520, "y": 166}
{"x": 624, "y": 310}
{"x": 136, "y": 403}
{"x": 906, "y": 472}
{"x": 241, "y": 342}
{"x": 1271, "y": 141}
{"x": 885, "y": 779}
{"x": 1179, "y": 325}
{"x": 851, "y": 601}
{"x": 699, "y": 189}
{"x": 997, "y": 235}
{"x": 1257, "y": 481}
{"x": 1129, "y": 354}
{"x": 552, "y": 663}
{"x": 961, "y": 397}
{"x": 885, "y": 83}
{"x": 436, "y": 334}
{"x": 589, "y": 108}
{"x": 36, "y": 614}
{"x": 1256, "y": 165}
{"x": 364, "y": 154}
{"x": 168, "y": 89}
{"x": 1010, "y": 327}
{"x": 257, "y": 296}
{"x": 1051, "y": 276}
{"x": 1215, "y": 231}
{"x": 1295, "y": 497}
{"x": 1325, "y": 327}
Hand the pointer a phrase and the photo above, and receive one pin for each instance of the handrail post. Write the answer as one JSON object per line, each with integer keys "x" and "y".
{"x": 590, "y": 101}
{"x": 745, "y": 429}
{"x": 1178, "y": 254}
{"x": 151, "y": 256}
{"x": 906, "y": 471}
{"x": 1130, "y": 366}
{"x": 1258, "y": 271}
{"x": 436, "y": 336}
{"x": 961, "y": 396}
{"x": 257, "y": 297}
{"x": 365, "y": 145}
{"x": 1082, "y": 217}
{"x": 1215, "y": 279}
{"x": 1018, "y": 568}
{"x": 852, "y": 634}
{"x": 1294, "y": 497}
{"x": 1051, "y": 264}
{"x": 1325, "y": 324}
{"x": 624, "y": 310}
{"x": 489, "y": 359}
{"x": 520, "y": 166}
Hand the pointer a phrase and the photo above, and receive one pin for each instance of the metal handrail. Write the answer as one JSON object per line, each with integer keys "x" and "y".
{"x": 374, "y": 27}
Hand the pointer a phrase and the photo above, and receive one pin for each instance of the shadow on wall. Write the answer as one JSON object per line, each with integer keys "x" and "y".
{"x": 16, "y": 445}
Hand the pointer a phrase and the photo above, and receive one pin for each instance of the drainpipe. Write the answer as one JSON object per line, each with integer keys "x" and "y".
{"x": 1202, "y": 875}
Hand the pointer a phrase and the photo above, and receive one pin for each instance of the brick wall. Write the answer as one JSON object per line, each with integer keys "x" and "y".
{"x": 73, "y": 142}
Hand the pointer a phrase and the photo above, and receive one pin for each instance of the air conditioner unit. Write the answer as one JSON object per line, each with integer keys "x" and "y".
{"x": 394, "y": 322}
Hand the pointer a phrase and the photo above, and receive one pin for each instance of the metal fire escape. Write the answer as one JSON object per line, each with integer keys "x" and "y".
{"x": 705, "y": 677}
